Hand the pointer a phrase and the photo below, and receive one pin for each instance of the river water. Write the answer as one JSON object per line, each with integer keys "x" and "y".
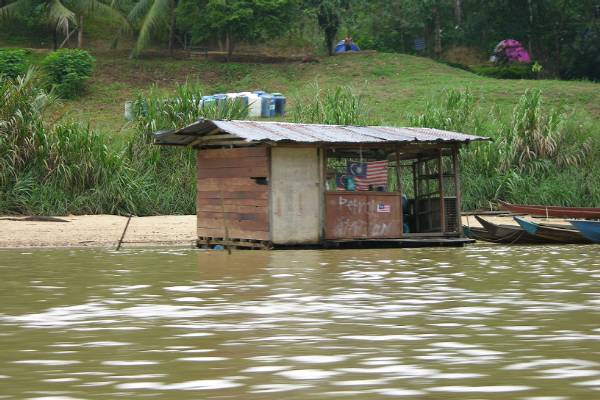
{"x": 484, "y": 322}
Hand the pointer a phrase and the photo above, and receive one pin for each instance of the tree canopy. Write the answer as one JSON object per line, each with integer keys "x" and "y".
{"x": 560, "y": 34}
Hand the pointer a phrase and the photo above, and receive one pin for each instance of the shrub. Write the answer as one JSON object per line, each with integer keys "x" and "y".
{"x": 511, "y": 71}
{"x": 68, "y": 70}
{"x": 13, "y": 62}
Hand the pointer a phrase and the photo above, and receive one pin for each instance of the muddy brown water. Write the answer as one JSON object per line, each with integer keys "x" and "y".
{"x": 484, "y": 322}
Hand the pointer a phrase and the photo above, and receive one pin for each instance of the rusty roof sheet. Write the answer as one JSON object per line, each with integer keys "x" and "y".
{"x": 262, "y": 131}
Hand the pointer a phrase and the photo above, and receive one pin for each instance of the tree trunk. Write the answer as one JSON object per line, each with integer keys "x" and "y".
{"x": 329, "y": 45}
{"x": 172, "y": 28}
{"x": 55, "y": 38}
{"x": 437, "y": 33}
{"x": 229, "y": 45}
{"x": 458, "y": 12}
{"x": 80, "y": 33}
{"x": 530, "y": 39}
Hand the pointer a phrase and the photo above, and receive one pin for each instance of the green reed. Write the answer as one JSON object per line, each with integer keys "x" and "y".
{"x": 68, "y": 168}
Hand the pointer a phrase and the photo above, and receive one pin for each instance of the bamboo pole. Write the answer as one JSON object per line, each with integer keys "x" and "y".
{"x": 123, "y": 234}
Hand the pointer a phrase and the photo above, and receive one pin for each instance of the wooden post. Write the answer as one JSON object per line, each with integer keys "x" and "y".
{"x": 416, "y": 194}
{"x": 455, "y": 167}
{"x": 399, "y": 189}
{"x": 323, "y": 186}
{"x": 123, "y": 234}
{"x": 441, "y": 189}
{"x": 228, "y": 245}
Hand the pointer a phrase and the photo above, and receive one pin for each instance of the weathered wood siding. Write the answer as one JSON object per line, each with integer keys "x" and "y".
{"x": 230, "y": 175}
{"x": 356, "y": 215}
{"x": 296, "y": 195}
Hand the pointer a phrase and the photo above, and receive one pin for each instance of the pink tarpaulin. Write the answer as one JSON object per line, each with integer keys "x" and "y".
{"x": 513, "y": 50}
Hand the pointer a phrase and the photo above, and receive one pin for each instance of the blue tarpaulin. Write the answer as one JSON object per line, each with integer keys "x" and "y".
{"x": 341, "y": 47}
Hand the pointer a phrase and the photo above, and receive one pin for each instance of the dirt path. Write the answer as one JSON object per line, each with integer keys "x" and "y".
{"x": 97, "y": 231}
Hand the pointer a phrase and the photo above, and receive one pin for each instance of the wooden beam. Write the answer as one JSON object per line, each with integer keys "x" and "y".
{"x": 399, "y": 189}
{"x": 441, "y": 189}
{"x": 237, "y": 143}
{"x": 455, "y": 167}
{"x": 206, "y": 139}
{"x": 416, "y": 193}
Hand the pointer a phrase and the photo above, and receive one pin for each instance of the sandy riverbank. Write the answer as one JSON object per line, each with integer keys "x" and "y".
{"x": 106, "y": 230}
{"x": 97, "y": 231}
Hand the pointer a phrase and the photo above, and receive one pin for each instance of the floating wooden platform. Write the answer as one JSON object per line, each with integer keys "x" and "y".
{"x": 234, "y": 243}
{"x": 406, "y": 242}
{"x": 335, "y": 244}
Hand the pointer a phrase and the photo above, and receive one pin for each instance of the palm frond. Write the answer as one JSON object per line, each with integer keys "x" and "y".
{"x": 156, "y": 15}
{"x": 18, "y": 7}
{"x": 60, "y": 16}
{"x": 88, "y": 7}
{"x": 139, "y": 10}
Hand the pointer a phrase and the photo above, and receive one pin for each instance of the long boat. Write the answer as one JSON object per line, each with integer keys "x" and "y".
{"x": 589, "y": 229}
{"x": 507, "y": 234}
{"x": 482, "y": 234}
{"x": 554, "y": 233}
{"x": 551, "y": 211}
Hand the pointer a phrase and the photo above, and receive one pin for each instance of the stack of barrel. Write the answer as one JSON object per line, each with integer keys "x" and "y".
{"x": 259, "y": 103}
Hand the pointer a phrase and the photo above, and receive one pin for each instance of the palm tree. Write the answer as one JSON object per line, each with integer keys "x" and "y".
{"x": 153, "y": 15}
{"x": 64, "y": 14}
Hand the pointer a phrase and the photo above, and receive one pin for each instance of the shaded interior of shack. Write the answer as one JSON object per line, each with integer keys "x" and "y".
{"x": 424, "y": 180}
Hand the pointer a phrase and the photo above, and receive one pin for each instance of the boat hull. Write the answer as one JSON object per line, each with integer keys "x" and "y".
{"x": 589, "y": 229}
{"x": 551, "y": 211}
{"x": 556, "y": 234}
{"x": 502, "y": 234}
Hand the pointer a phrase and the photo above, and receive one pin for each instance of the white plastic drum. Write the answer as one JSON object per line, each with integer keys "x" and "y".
{"x": 254, "y": 105}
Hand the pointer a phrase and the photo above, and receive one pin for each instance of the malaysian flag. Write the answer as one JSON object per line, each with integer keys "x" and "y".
{"x": 365, "y": 174}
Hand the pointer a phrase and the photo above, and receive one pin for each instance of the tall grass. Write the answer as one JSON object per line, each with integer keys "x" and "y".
{"x": 67, "y": 168}
{"x": 339, "y": 106}
{"x": 538, "y": 155}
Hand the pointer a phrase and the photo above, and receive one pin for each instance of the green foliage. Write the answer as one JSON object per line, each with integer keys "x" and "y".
{"x": 540, "y": 156}
{"x": 339, "y": 106}
{"x": 510, "y": 71}
{"x": 582, "y": 58}
{"x": 68, "y": 168}
{"x": 233, "y": 21}
{"x": 68, "y": 70}
{"x": 13, "y": 62}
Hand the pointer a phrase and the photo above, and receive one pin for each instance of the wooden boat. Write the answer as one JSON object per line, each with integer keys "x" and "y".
{"x": 551, "y": 211}
{"x": 500, "y": 233}
{"x": 554, "y": 233}
{"x": 480, "y": 234}
{"x": 510, "y": 233}
{"x": 589, "y": 229}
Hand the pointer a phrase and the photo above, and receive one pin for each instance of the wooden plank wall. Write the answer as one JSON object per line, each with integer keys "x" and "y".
{"x": 228, "y": 174}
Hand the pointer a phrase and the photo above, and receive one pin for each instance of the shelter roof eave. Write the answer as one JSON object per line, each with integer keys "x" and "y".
{"x": 207, "y": 133}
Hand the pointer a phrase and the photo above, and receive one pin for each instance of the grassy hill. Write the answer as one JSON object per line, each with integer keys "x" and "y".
{"x": 393, "y": 85}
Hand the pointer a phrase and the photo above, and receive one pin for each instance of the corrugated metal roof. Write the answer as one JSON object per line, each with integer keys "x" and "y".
{"x": 259, "y": 131}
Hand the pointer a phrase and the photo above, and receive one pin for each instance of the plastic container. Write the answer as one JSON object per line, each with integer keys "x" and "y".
{"x": 128, "y": 112}
{"x": 267, "y": 106}
{"x": 259, "y": 92}
{"x": 279, "y": 104}
{"x": 254, "y": 105}
{"x": 220, "y": 98}
{"x": 207, "y": 101}
{"x": 241, "y": 97}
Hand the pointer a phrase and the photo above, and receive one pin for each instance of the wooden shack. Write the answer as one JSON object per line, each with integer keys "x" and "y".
{"x": 270, "y": 184}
